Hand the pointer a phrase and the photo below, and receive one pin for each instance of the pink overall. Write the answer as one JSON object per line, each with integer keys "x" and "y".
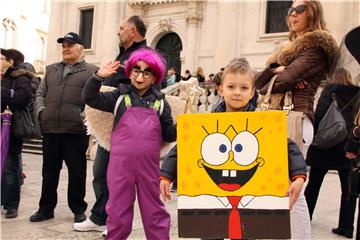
{"x": 134, "y": 169}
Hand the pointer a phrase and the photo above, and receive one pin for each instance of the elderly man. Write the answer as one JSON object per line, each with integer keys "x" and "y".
{"x": 59, "y": 107}
{"x": 131, "y": 37}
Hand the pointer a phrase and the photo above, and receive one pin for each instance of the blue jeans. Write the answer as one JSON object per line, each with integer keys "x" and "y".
{"x": 98, "y": 213}
{"x": 10, "y": 184}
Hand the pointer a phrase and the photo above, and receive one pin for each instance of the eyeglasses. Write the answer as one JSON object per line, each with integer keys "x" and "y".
{"x": 299, "y": 9}
{"x": 146, "y": 74}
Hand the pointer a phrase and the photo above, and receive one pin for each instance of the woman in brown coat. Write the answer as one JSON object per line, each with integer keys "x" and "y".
{"x": 303, "y": 62}
{"x": 300, "y": 65}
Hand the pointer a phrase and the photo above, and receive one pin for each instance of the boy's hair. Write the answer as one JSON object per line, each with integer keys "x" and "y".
{"x": 238, "y": 65}
{"x": 156, "y": 62}
{"x": 217, "y": 78}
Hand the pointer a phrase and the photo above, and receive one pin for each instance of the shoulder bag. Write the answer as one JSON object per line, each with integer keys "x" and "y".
{"x": 25, "y": 122}
{"x": 332, "y": 128}
{"x": 294, "y": 119}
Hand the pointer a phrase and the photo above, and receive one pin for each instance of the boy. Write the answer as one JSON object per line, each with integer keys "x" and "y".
{"x": 237, "y": 89}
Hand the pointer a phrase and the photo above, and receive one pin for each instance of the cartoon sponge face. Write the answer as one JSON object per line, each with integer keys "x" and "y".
{"x": 232, "y": 154}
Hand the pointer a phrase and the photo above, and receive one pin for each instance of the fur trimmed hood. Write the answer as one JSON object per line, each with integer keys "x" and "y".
{"x": 287, "y": 53}
{"x": 22, "y": 72}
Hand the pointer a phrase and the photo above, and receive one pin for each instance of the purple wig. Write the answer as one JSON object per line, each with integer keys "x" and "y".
{"x": 156, "y": 62}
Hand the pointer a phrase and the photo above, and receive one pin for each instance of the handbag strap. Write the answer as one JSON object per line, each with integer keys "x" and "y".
{"x": 357, "y": 96}
{"x": 265, "y": 104}
{"x": 288, "y": 106}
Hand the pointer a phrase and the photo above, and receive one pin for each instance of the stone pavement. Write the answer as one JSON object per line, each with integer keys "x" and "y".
{"x": 325, "y": 216}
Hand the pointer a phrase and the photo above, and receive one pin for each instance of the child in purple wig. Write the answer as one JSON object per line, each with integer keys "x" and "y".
{"x": 142, "y": 121}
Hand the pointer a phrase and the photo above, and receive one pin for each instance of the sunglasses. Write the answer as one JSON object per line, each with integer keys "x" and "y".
{"x": 146, "y": 73}
{"x": 299, "y": 9}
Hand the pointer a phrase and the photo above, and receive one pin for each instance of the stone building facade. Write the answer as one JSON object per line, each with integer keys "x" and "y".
{"x": 202, "y": 33}
{"x": 25, "y": 27}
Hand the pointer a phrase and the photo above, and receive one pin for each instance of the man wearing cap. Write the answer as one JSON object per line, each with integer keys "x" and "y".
{"x": 131, "y": 38}
{"x": 59, "y": 108}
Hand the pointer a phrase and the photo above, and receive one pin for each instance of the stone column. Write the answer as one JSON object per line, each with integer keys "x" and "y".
{"x": 226, "y": 37}
{"x": 106, "y": 31}
{"x": 193, "y": 22}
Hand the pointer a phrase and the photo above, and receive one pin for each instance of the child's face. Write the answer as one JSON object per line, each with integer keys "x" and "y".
{"x": 142, "y": 77}
{"x": 237, "y": 90}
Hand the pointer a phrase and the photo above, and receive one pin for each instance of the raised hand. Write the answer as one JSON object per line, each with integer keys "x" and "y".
{"x": 108, "y": 69}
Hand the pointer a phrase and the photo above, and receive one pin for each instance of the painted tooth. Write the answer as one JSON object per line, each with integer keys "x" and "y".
{"x": 225, "y": 173}
{"x": 233, "y": 173}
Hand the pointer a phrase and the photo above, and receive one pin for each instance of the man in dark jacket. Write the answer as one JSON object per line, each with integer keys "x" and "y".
{"x": 59, "y": 108}
{"x": 131, "y": 37}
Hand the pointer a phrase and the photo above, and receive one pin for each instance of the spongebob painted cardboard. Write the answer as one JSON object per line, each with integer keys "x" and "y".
{"x": 233, "y": 175}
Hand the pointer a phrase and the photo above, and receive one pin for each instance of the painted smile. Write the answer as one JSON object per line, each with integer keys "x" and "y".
{"x": 230, "y": 180}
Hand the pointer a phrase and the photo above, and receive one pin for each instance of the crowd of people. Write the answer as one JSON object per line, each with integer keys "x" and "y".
{"x": 138, "y": 106}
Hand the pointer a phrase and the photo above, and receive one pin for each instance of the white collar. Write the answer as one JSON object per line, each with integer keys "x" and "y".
{"x": 245, "y": 200}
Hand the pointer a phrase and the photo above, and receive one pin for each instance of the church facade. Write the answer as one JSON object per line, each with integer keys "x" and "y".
{"x": 190, "y": 34}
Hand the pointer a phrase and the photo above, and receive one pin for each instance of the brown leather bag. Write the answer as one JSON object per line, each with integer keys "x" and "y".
{"x": 283, "y": 101}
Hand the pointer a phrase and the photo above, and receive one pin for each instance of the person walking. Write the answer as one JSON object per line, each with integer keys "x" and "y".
{"x": 59, "y": 108}
{"x": 300, "y": 65}
{"x": 346, "y": 94}
{"x": 131, "y": 38}
{"x": 352, "y": 149}
{"x": 16, "y": 93}
{"x": 343, "y": 90}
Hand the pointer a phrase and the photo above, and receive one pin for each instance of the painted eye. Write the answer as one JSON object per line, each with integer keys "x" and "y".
{"x": 222, "y": 148}
{"x": 238, "y": 147}
{"x": 215, "y": 148}
{"x": 245, "y": 147}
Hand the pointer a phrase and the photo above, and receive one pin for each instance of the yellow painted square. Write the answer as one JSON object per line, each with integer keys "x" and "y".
{"x": 233, "y": 154}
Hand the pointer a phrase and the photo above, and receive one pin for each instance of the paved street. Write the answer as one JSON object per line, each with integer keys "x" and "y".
{"x": 325, "y": 216}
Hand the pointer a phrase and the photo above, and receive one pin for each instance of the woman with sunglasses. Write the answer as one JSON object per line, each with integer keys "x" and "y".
{"x": 142, "y": 121}
{"x": 300, "y": 65}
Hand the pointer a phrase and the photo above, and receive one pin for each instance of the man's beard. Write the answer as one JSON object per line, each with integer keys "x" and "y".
{"x": 121, "y": 43}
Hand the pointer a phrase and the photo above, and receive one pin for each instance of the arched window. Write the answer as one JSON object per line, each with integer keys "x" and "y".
{"x": 8, "y": 33}
{"x": 170, "y": 46}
